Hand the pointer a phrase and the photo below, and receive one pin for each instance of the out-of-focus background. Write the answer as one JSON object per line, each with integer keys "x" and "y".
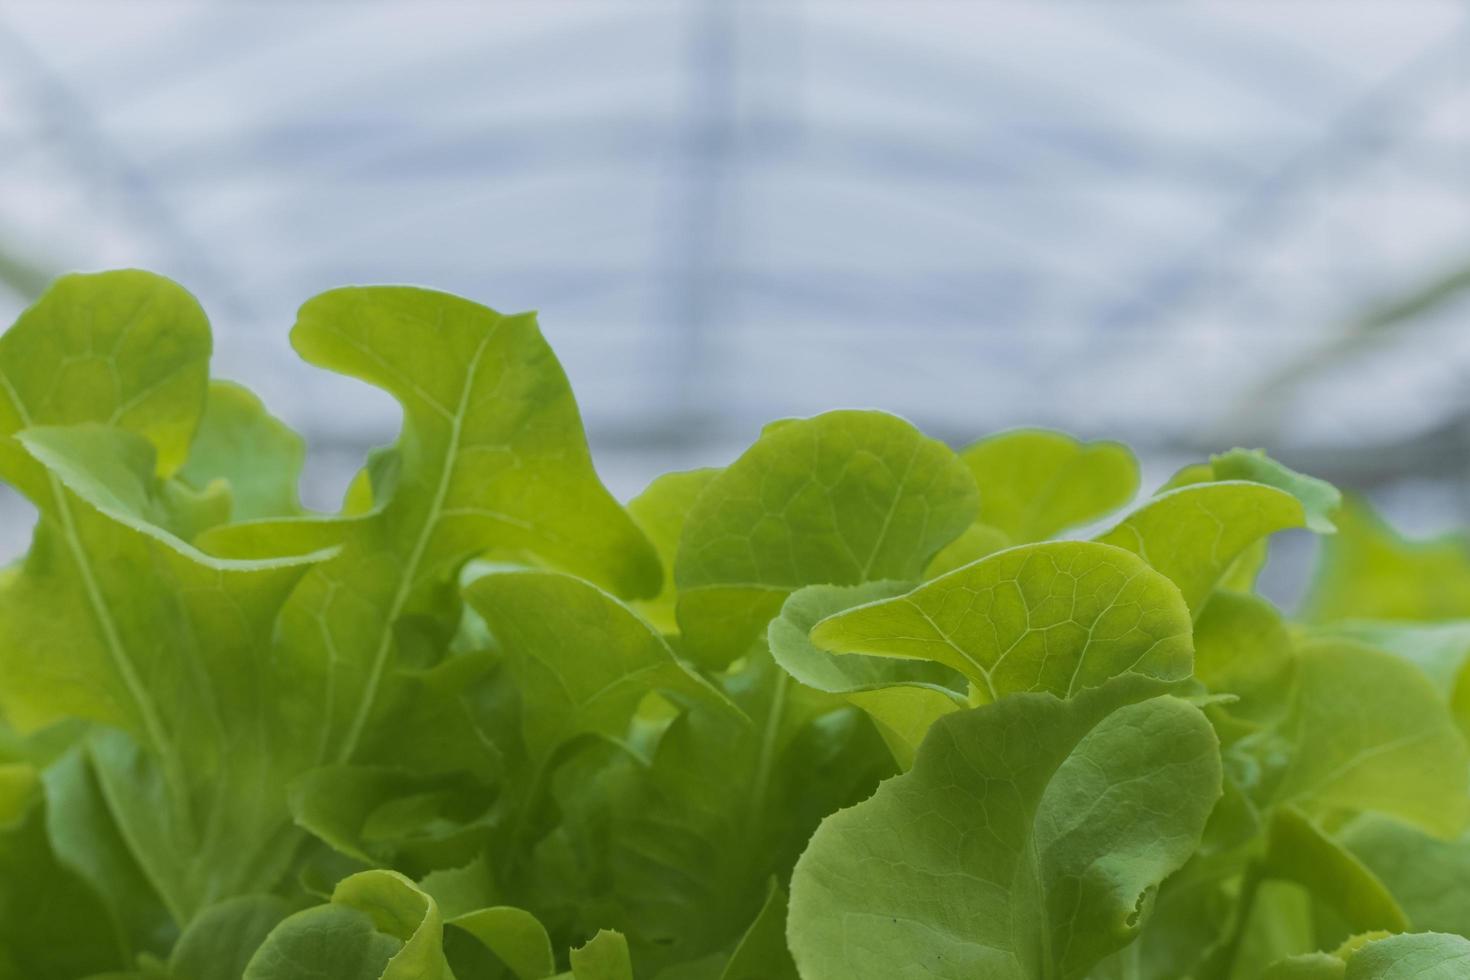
{"x": 1184, "y": 225}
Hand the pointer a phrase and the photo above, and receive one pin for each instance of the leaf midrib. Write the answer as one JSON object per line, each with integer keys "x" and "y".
{"x": 117, "y": 650}
{"x": 416, "y": 555}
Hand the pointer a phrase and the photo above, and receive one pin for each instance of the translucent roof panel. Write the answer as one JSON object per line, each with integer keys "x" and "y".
{"x": 1179, "y": 224}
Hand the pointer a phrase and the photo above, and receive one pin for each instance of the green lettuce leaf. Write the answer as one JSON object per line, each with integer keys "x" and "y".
{"x": 1365, "y": 731}
{"x": 1368, "y": 571}
{"x": 124, "y": 349}
{"x": 839, "y": 499}
{"x": 604, "y": 957}
{"x": 1036, "y": 483}
{"x": 254, "y": 453}
{"x": 220, "y": 942}
{"x": 903, "y": 697}
{"x": 547, "y": 622}
{"x": 1195, "y": 533}
{"x": 977, "y": 541}
{"x": 678, "y": 852}
{"x": 395, "y": 818}
{"x": 492, "y": 459}
{"x": 378, "y": 926}
{"x": 114, "y": 619}
{"x": 762, "y": 953}
{"x": 52, "y": 925}
{"x": 1426, "y": 875}
{"x": 1413, "y": 956}
{"x": 1059, "y": 617}
{"x": 661, "y": 510}
{"x": 483, "y": 722}
{"x": 87, "y": 840}
{"x": 1242, "y": 647}
{"x": 1298, "y": 850}
{"x": 1023, "y": 843}
{"x": 514, "y": 936}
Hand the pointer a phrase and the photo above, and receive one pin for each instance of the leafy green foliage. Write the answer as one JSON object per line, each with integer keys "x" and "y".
{"x": 1211, "y": 519}
{"x": 1035, "y": 483}
{"x": 840, "y": 499}
{"x": 1006, "y": 851}
{"x": 1421, "y": 956}
{"x": 256, "y": 455}
{"x": 1060, "y": 617}
{"x": 1371, "y": 572}
{"x": 902, "y": 696}
{"x": 845, "y": 708}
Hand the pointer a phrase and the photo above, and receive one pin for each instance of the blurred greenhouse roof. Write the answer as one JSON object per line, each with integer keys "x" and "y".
{"x": 1184, "y": 225}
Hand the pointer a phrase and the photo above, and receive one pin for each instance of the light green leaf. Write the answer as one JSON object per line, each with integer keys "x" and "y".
{"x": 1426, "y": 875}
{"x": 462, "y": 889}
{"x": 492, "y": 458}
{"x": 661, "y": 510}
{"x": 903, "y": 715}
{"x": 1320, "y": 500}
{"x": 1020, "y": 845}
{"x": 1036, "y": 483}
{"x": 977, "y": 541}
{"x": 273, "y": 537}
{"x": 1242, "y": 647}
{"x": 1366, "y": 731}
{"x": 114, "y": 619}
{"x": 1242, "y": 574}
{"x": 1417, "y": 956}
{"x": 254, "y": 452}
{"x": 605, "y": 957}
{"x": 399, "y": 909}
{"x": 126, "y": 349}
{"x": 112, "y": 470}
{"x": 547, "y": 623}
{"x": 903, "y": 697}
{"x": 1439, "y": 649}
{"x": 1059, "y": 617}
{"x": 515, "y": 936}
{"x": 492, "y": 435}
{"x": 1196, "y": 533}
{"x": 378, "y": 926}
{"x": 844, "y": 673}
{"x": 839, "y": 499}
{"x": 1367, "y": 571}
{"x": 1297, "y": 850}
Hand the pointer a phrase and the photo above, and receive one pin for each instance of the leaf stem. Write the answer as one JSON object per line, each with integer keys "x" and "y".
{"x": 766, "y": 761}
{"x": 409, "y": 578}
{"x": 1222, "y": 964}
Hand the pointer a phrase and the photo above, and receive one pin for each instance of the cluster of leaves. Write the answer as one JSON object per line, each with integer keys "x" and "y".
{"x": 847, "y": 708}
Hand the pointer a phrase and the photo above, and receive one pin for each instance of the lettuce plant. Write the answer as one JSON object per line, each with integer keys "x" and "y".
{"x": 856, "y": 705}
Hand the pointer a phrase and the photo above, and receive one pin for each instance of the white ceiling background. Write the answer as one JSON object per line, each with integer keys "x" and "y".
{"x": 1122, "y": 219}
